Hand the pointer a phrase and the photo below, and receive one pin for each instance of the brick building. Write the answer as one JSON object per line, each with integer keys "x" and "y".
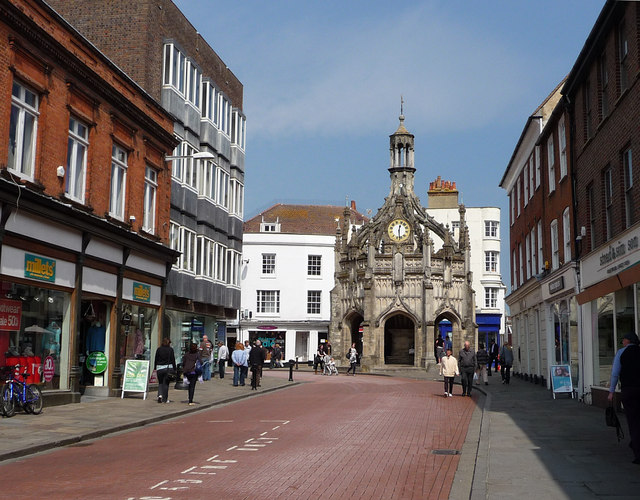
{"x": 84, "y": 191}
{"x": 160, "y": 49}
{"x": 604, "y": 93}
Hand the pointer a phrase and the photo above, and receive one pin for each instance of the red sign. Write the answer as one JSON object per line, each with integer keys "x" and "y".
{"x": 10, "y": 314}
{"x": 267, "y": 327}
{"x": 48, "y": 369}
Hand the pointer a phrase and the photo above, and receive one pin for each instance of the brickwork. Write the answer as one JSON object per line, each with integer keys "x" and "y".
{"x": 146, "y": 25}
{"x": 72, "y": 78}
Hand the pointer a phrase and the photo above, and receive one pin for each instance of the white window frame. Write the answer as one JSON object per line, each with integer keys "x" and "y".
{"x": 551, "y": 164}
{"x": 174, "y": 70}
{"x": 118, "y": 192}
{"x": 314, "y": 266}
{"x": 527, "y": 251}
{"x": 233, "y": 268}
{"x": 525, "y": 182}
{"x": 222, "y": 188}
{"x": 238, "y": 129}
{"x": 221, "y": 262}
{"x": 555, "y": 248}
{"x": 192, "y": 86}
{"x": 534, "y": 261}
{"x": 175, "y": 242}
{"x": 268, "y": 265}
{"x": 514, "y": 270}
{"x": 209, "y": 103}
{"x": 491, "y": 264}
{"x": 490, "y": 298}
{"x": 538, "y": 166}
{"x": 22, "y": 149}
{"x": 206, "y": 179}
{"x": 566, "y": 235}
{"x": 531, "y": 176}
{"x": 314, "y": 302}
{"x": 237, "y": 198}
{"x": 627, "y": 165}
{"x": 224, "y": 114}
{"x": 77, "y": 146}
{"x": 562, "y": 140}
{"x": 541, "y": 265}
{"x": 189, "y": 250}
{"x": 518, "y": 195}
{"x": 150, "y": 196}
{"x": 491, "y": 228}
{"x": 267, "y": 301}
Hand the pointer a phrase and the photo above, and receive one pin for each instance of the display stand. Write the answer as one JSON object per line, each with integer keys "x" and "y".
{"x": 136, "y": 376}
{"x": 561, "y": 380}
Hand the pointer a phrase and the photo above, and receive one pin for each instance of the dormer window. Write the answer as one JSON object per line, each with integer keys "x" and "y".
{"x": 270, "y": 227}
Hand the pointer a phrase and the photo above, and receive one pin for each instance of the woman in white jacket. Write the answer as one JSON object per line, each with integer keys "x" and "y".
{"x": 449, "y": 365}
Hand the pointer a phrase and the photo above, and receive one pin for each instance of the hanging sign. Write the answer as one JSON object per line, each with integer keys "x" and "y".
{"x": 136, "y": 376}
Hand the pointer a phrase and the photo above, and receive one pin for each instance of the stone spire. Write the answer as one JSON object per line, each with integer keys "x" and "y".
{"x": 401, "y": 155}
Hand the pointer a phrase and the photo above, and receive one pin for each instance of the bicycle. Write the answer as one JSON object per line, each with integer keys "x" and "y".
{"x": 16, "y": 392}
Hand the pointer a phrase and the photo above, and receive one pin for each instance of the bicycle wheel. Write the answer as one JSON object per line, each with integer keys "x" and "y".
{"x": 33, "y": 404}
{"x": 8, "y": 402}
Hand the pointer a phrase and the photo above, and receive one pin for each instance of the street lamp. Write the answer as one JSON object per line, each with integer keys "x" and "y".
{"x": 202, "y": 155}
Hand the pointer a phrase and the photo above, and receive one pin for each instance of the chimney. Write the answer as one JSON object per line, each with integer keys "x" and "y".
{"x": 353, "y": 205}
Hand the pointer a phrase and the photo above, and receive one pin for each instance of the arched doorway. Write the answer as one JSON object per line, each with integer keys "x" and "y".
{"x": 355, "y": 322}
{"x": 447, "y": 327}
{"x": 399, "y": 340}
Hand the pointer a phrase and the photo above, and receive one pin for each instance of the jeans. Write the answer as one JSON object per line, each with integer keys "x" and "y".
{"x": 221, "y": 365}
{"x": 352, "y": 366}
{"x": 206, "y": 370}
{"x": 239, "y": 373}
{"x": 448, "y": 385}
{"x": 505, "y": 372}
{"x": 192, "y": 378}
{"x": 466, "y": 376}
{"x": 163, "y": 385}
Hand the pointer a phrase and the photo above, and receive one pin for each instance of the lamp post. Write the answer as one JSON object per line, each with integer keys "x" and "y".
{"x": 202, "y": 155}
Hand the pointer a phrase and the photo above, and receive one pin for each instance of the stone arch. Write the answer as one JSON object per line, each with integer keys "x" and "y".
{"x": 351, "y": 328}
{"x": 399, "y": 339}
{"x": 456, "y": 328}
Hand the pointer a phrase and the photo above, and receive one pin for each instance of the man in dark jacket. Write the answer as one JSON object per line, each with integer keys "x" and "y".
{"x": 467, "y": 366}
{"x": 482, "y": 357}
{"x": 493, "y": 354}
{"x": 257, "y": 356}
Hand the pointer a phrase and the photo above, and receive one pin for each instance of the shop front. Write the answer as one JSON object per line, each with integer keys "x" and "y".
{"x": 610, "y": 303}
{"x": 184, "y": 328}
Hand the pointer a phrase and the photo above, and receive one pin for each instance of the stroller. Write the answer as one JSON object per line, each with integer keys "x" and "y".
{"x": 330, "y": 367}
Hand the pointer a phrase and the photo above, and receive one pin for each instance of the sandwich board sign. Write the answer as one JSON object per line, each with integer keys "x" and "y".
{"x": 561, "y": 380}
{"x": 136, "y": 376}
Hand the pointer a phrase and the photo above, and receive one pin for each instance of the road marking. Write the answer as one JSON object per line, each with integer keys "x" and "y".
{"x": 159, "y": 484}
{"x": 263, "y": 433}
{"x": 190, "y": 470}
{"x": 269, "y": 438}
{"x": 246, "y": 449}
{"x": 256, "y": 445}
{"x": 232, "y": 448}
{"x": 249, "y": 440}
{"x": 219, "y": 421}
{"x": 213, "y": 459}
{"x": 276, "y": 427}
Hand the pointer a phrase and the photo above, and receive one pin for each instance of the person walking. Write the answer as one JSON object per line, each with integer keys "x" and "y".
{"x": 223, "y": 356}
{"x": 353, "y": 359}
{"x": 189, "y": 361}
{"x": 319, "y": 359}
{"x": 276, "y": 356}
{"x": 493, "y": 356}
{"x": 256, "y": 360}
{"x": 506, "y": 361}
{"x": 450, "y": 369}
{"x": 482, "y": 357}
{"x": 626, "y": 369}
{"x": 467, "y": 365}
{"x": 206, "y": 353}
{"x": 165, "y": 360}
{"x": 239, "y": 359}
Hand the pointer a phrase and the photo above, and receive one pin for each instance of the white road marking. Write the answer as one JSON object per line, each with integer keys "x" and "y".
{"x": 220, "y": 421}
{"x": 232, "y": 448}
{"x": 159, "y": 484}
{"x": 212, "y": 459}
{"x": 246, "y": 449}
{"x": 256, "y": 445}
{"x": 276, "y": 427}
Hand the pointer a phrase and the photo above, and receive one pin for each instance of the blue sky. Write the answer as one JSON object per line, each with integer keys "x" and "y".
{"x": 323, "y": 79}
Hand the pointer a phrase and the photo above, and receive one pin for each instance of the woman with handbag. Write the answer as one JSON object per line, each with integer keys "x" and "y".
{"x": 165, "y": 366}
{"x": 190, "y": 369}
{"x": 353, "y": 359}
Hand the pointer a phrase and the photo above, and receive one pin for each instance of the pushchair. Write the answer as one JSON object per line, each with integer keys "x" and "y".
{"x": 330, "y": 366}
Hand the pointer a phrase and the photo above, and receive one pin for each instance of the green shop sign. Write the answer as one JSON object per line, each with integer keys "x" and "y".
{"x": 96, "y": 362}
{"x": 141, "y": 292}
{"x": 39, "y": 268}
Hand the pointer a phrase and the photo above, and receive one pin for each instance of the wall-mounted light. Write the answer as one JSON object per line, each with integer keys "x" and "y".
{"x": 60, "y": 171}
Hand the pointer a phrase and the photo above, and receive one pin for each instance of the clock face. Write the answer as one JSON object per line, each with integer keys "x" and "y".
{"x": 399, "y": 230}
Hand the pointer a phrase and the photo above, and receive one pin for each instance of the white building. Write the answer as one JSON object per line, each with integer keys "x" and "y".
{"x": 286, "y": 275}
{"x": 484, "y": 234}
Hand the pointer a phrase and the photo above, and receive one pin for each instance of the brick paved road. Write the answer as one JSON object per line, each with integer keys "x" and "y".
{"x": 335, "y": 437}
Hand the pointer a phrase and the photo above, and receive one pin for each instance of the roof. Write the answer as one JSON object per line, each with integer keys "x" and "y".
{"x": 304, "y": 219}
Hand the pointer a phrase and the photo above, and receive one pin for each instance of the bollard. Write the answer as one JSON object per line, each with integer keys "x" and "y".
{"x": 296, "y": 362}
{"x": 291, "y": 363}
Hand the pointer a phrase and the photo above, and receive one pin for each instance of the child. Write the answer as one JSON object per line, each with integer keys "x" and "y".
{"x": 332, "y": 366}
{"x": 449, "y": 366}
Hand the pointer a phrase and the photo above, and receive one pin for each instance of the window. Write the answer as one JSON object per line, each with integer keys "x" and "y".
{"x": 269, "y": 227}
{"x": 205, "y": 263}
{"x": 562, "y": 141}
{"x": 525, "y": 180}
{"x": 238, "y": 129}
{"x": 518, "y": 194}
{"x": 77, "y": 145}
{"x": 222, "y": 188}
{"x": 534, "y": 262}
{"x": 521, "y": 263}
{"x": 192, "y": 94}
{"x": 592, "y": 217}
{"x": 233, "y": 268}
{"x": 537, "y": 158}
{"x": 22, "y": 130}
{"x": 175, "y": 240}
{"x": 627, "y": 165}
{"x": 608, "y": 203}
{"x": 527, "y": 251}
{"x": 604, "y": 85}
{"x": 269, "y": 263}
{"x": 566, "y": 235}
{"x": 150, "y": 190}
{"x": 491, "y": 298}
{"x": 118, "y": 182}
{"x": 491, "y": 262}
{"x": 190, "y": 170}
{"x": 541, "y": 265}
{"x": 237, "y": 198}
{"x": 512, "y": 204}
{"x": 174, "y": 68}
{"x": 314, "y": 265}
{"x": 588, "y": 129}
{"x": 491, "y": 229}
{"x": 189, "y": 250}
{"x": 206, "y": 179}
{"x": 555, "y": 251}
{"x": 313, "y": 301}
{"x": 514, "y": 273}
{"x": 531, "y": 176}
{"x": 268, "y": 301}
{"x": 623, "y": 51}
{"x": 221, "y": 262}
{"x": 224, "y": 118}
{"x": 551, "y": 160}
{"x": 209, "y": 108}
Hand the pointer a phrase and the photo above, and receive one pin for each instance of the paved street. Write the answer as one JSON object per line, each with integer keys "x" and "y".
{"x": 363, "y": 436}
{"x": 367, "y": 437}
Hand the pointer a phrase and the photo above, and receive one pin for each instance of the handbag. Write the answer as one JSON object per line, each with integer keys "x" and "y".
{"x": 198, "y": 367}
{"x": 171, "y": 375}
{"x": 348, "y": 355}
{"x": 611, "y": 419}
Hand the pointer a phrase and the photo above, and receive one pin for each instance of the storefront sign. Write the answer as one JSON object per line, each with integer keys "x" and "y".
{"x": 611, "y": 259}
{"x": 96, "y": 362}
{"x": 136, "y": 376}
{"x": 10, "y": 314}
{"x": 561, "y": 379}
{"x": 556, "y": 285}
{"x": 141, "y": 292}
{"x": 39, "y": 268}
{"x": 267, "y": 327}
{"x": 48, "y": 369}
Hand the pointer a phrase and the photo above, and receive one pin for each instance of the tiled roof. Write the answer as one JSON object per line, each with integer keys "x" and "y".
{"x": 303, "y": 219}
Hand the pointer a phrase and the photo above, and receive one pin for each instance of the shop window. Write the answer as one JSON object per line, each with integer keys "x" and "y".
{"x": 93, "y": 338}
{"x": 185, "y": 328}
{"x": 139, "y": 327}
{"x": 604, "y": 349}
{"x": 35, "y": 332}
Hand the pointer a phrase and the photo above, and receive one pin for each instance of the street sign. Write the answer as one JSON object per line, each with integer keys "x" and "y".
{"x": 136, "y": 376}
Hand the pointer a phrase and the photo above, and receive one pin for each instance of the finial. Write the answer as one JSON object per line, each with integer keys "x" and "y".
{"x": 401, "y": 108}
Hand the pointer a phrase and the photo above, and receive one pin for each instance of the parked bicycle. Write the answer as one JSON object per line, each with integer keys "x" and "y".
{"x": 18, "y": 393}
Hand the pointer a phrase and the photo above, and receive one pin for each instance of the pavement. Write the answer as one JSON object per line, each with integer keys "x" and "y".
{"x": 520, "y": 441}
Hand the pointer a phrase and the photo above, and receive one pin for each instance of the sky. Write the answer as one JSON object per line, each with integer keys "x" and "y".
{"x": 323, "y": 82}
